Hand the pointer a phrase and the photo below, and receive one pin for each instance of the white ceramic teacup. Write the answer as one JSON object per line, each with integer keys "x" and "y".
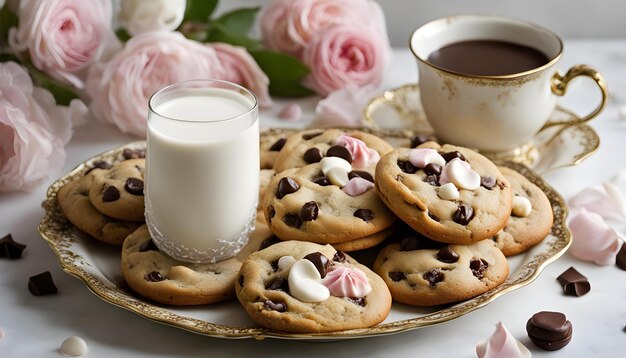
{"x": 493, "y": 113}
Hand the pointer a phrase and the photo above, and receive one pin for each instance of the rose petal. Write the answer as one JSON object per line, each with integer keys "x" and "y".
{"x": 605, "y": 200}
{"x": 501, "y": 344}
{"x": 593, "y": 239}
{"x": 291, "y": 112}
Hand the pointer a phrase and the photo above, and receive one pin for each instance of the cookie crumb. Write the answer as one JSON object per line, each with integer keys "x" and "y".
{"x": 73, "y": 347}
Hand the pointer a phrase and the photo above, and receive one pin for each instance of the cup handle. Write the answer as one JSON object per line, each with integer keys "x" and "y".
{"x": 559, "y": 88}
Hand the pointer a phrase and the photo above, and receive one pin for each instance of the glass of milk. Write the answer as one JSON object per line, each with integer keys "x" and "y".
{"x": 202, "y": 169}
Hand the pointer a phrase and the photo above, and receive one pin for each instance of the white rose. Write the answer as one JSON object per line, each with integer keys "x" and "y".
{"x": 139, "y": 16}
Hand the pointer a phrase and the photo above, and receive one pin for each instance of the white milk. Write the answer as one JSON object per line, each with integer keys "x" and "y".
{"x": 202, "y": 172}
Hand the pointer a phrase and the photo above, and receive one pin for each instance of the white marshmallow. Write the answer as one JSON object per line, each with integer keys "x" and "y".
{"x": 421, "y": 157}
{"x": 521, "y": 206}
{"x": 305, "y": 282}
{"x": 461, "y": 174}
{"x": 73, "y": 347}
{"x": 333, "y": 162}
{"x": 285, "y": 262}
{"x": 338, "y": 176}
{"x": 448, "y": 192}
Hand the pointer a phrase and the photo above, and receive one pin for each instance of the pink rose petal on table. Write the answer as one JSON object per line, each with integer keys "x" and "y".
{"x": 347, "y": 282}
{"x": 357, "y": 186}
{"x": 593, "y": 239}
{"x": 291, "y": 112}
{"x": 344, "y": 107}
{"x": 501, "y": 344}
{"x": 605, "y": 200}
{"x": 362, "y": 155}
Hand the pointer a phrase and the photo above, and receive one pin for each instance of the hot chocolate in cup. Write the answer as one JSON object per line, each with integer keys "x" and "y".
{"x": 490, "y": 82}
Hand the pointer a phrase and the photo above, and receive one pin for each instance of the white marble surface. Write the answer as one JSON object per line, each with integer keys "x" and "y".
{"x": 36, "y": 326}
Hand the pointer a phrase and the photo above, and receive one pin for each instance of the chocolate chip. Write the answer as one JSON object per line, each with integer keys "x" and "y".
{"x": 292, "y": 220}
{"x": 397, "y": 276}
{"x": 275, "y": 306}
{"x": 309, "y": 211}
{"x": 574, "y": 283}
{"x": 274, "y": 265}
{"x": 279, "y": 284}
{"x": 463, "y": 215}
{"x": 406, "y": 166}
{"x": 148, "y": 246}
{"x": 433, "y": 169}
{"x": 322, "y": 181}
{"x": 134, "y": 186}
{"x": 478, "y": 267}
{"x": 420, "y": 139}
{"x": 488, "y": 182}
{"x": 313, "y": 155}
{"x": 364, "y": 214}
{"x": 549, "y": 330}
{"x": 99, "y": 165}
{"x": 320, "y": 261}
{"x": 269, "y": 242}
{"x": 42, "y": 284}
{"x": 286, "y": 186}
{"x": 311, "y": 135}
{"x": 11, "y": 249}
{"x": 451, "y": 155}
{"x": 409, "y": 244}
{"x": 154, "y": 276}
{"x": 241, "y": 281}
{"x": 361, "y": 174}
{"x": 447, "y": 255}
{"x": 339, "y": 151}
{"x": 433, "y": 216}
{"x": 278, "y": 145}
{"x": 357, "y": 301}
{"x": 431, "y": 179}
{"x": 270, "y": 213}
{"x": 433, "y": 276}
{"x": 620, "y": 259}
{"x": 134, "y": 153}
{"x": 339, "y": 257}
{"x": 110, "y": 194}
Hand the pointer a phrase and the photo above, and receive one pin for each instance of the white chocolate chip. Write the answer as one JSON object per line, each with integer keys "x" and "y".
{"x": 305, "y": 282}
{"x": 333, "y": 162}
{"x": 285, "y": 262}
{"x": 461, "y": 174}
{"x": 73, "y": 347}
{"x": 338, "y": 176}
{"x": 521, "y": 206}
{"x": 448, "y": 192}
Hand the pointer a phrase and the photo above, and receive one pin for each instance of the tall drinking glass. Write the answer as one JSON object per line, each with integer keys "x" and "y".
{"x": 202, "y": 169}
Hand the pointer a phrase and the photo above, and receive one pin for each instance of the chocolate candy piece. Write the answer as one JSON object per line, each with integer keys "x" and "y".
{"x": 434, "y": 217}
{"x": 549, "y": 330}
{"x": 11, "y": 249}
{"x": 433, "y": 276}
{"x": 154, "y": 276}
{"x": 463, "y": 214}
{"x": 134, "y": 153}
{"x": 361, "y": 174}
{"x": 269, "y": 242}
{"x": 433, "y": 169}
{"x": 574, "y": 283}
{"x": 278, "y": 145}
{"x": 397, "y": 276}
{"x": 451, "y": 155}
{"x": 447, "y": 255}
{"x": 42, "y": 284}
{"x": 406, "y": 166}
{"x": 309, "y": 211}
{"x": 321, "y": 181}
{"x": 420, "y": 139}
{"x": 134, "y": 186}
{"x": 357, "y": 301}
{"x": 620, "y": 259}
{"x": 275, "y": 306}
{"x": 292, "y": 220}
{"x": 431, "y": 179}
{"x": 99, "y": 165}
{"x": 148, "y": 246}
{"x": 364, "y": 214}
{"x": 478, "y": 267}
{"x": 488, "y": 182}
{"x": 286, "y": 186}
{"x": 110, "y": 194}
{"x": 279, "y": 284}
{"x": 312, "y": 155}
{"x": 339, "y": 151}
{"x": 311, "y": 135}
{"x": 321, "y": 262}
{"x": 339, "y": 257}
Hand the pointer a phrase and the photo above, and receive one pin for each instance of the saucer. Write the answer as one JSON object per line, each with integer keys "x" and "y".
{"x": 551, "y": 149}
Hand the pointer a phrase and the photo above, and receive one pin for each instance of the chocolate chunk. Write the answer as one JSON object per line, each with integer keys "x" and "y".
{"x": 11, "y": 249}
{"x": 110, "y": 194}
{"x": 397, "y": 276}
{"x": 278, "y": 145}
{"x": 42, "y": 284}
{"x": 275, "y": 306}
{"x": 406, "y": 166}
{"x": 478, "y": 267}
{"x": 269, "y": 242}
{"x": 420, "y": 139}
{"x": 432, "y": 180}
{"x": 274, "y": 265}
{"x": 321, "y": 262}
{"x": 292, "y": 220}
{"x": 99, "y": 165}
{"x": 271, "y": 212}
{"x": 433, "y": 276}
{"x": 451, "y": 155}
{"x": 409, "y": 244}
{"x": 241, "y": 280}
{"x": 339, "y": 257}
{"x": 309, "y": 211}
{"x": 321, "y": 181}
{"x": 364, "y": 214}
{"x": 148, "y": 246}
{"x": 447, "y": 255}
{"x": 433, "y": 216}
{"x": 313, "y": 155}
{"x": 134, "y": 153}
{"x": 361, "y": 174}
{"x": 357, "y": 301}
{"x": 134, "y": 186}
{"x": 154, "y": 276}
{"x": 311, "y": 135}
{"x": 286, "y": 186}
{"x": 620, "y": 259}
{"x": 433, "y": 169}
{"x": 574, "y": 283}
{"x": 463, "y": 215}
{"x": 279, "y": 284}
{"x": 549, "y": 330}
{"x": 339, "y": 151}
{"x": 488, "y": 182}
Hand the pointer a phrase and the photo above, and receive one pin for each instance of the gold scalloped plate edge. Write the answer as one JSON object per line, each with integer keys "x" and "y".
{"x": 55, "y": 230}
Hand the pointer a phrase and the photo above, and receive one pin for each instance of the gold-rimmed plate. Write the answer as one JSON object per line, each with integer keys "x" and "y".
{"x": 98, "y": 266}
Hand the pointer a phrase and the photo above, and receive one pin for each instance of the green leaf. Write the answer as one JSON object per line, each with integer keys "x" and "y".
{"x": 285, "y": 73}
{"x": 6, "y": 57}
{"x": 199, "y": 10}
{"x": 218, "y": 33}
{"x": 122, "y": 35}
{"x": 238, "y": 22}
{"x": 7, "y": 20}
{"x": 63, "y": 94}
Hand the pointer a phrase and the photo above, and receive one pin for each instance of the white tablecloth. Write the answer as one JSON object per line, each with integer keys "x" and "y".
{"x": 36, "y": 326}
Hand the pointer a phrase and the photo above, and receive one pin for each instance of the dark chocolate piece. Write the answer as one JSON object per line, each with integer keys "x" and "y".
{"x": 321, "y": 181}
{"x": 463, "y": 215}
{"x": 420, "y": 139}
{"x": 134, "y": 153}
{"x": 361, "y": 174}
{"x": 431, "y": 179}
{"x": 134, "y": 186}
{"x": 433, "y": 276}
{"x": 101, "y": 164}
{"x": 549, "y": 330}
{"x": 292, "y": 220}
{"x": 397, "y": 276}
{"x": 110, "y": 194}
{"x": 339, "y": 257}
{"x": 309, "y": 211}
{"x": 433, "y": 169}
{"x": 451, "y": 155}
{"x": 488, "y": 182}
{"x": 620, "y": 259}
{"x": 279, "y": 284}
{"x": 478, "y": 267}
{"x": 271, "y": 212}
{"x": 407, "y": 167}
{"x": 574, "y": 283}
{"x": 447, "y": 255}
{"x": 313, "y": 155}
{"x": 433, "y": 216}
{"x": 42, "y": 284}
{"x": 278, "y": 145}
{"x": 357, "y": 301}
{"x": 364, "y": 214}
{"x": 11, "y": 249}
{"x": 286, "y": 186}
{"x": 321, "y": 262}
{"x": 154, "y": 276}
{"x": 275, "y": 306}
{"x": 339, "y": 151}
{"x": 311, "y": 135}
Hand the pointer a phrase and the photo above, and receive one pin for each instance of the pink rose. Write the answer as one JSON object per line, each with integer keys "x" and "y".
{"x": 344, "y": 55}
{"x": 63, "y": 37}
{"x": 120, "y": 89}
{"x": 240, "y": 67}
{"x": 33, "y": 130}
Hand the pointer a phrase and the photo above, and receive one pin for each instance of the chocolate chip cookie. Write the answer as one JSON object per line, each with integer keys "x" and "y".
{"x": 531, "y": 217}
{"x": 269, "y": 147}
{"x": 118, "y": 191}
{"x": 309, "y": 288}
{"x": 447, "y": 193}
